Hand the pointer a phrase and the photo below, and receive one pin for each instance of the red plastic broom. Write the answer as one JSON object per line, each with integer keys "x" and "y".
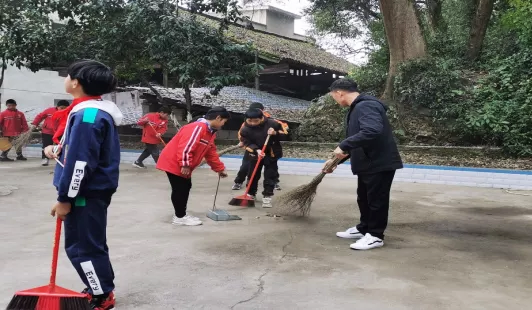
{"x": 51, "y": 296}
{"x": 245, "y": 200}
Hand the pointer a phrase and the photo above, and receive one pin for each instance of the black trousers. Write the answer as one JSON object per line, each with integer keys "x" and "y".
{"x": 374, "y": 202}
{"x": 271, "y": 174}
{"x": 244, "y": 169}
{"x": 47, "y": 140}
{"x": 243, "y": 172}
{"x": 180, "y": 192}
{"x": 151, "y": 149}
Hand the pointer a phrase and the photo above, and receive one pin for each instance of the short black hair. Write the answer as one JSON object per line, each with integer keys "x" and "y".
{"x": 344, "y": 84}
{"x": 11, "y": 101}
{"x": 63, "y": 103}
{"x": 95, "y": 78}
{"x": 254, "y": 113}
{"x": 217, "y": 111}
{"x": 165, "y": 110}
{"x": 256, "y": 105}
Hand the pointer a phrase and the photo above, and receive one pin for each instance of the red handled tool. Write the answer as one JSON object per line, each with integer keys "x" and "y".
{"x": 245, "y": 200}
{"x": 51, "y": 296}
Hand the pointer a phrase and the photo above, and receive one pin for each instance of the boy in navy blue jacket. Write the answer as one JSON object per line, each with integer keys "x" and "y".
{"x": 86, "y": 179}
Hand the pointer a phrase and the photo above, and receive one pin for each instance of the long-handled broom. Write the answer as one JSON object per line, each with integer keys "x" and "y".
{"x": 160, "y": 138}
{"x": 245, "y": 200}
{"x": 23, "y": 139}
{"x": 299, "y": 200}
{"x": 51, "y": 296}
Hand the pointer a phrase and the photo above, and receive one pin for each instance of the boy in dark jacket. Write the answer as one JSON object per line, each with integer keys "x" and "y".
{"x": 374, "y": 158}
{"x": 244, "y": 167}
{"x": 12, "y": 124}
{"x": 154, "y": 125}
{"x": 87, "y": 177}
{"x": 253, "y": 136}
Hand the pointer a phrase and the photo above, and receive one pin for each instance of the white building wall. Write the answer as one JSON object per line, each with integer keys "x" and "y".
{"x": 33, "y": 91}
{"x": 280, "y": 24}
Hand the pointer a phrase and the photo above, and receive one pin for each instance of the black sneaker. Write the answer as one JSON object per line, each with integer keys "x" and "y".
{"x": 139, "y": 165}
{"x": 237, "y": 186}
{"x": 6, "y": 159}
{"x": 278, "y": 187}
{"x": 20, "y": 157}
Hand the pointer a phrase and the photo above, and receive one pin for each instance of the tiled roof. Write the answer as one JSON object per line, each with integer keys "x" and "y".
{"x": 237, "y": 99}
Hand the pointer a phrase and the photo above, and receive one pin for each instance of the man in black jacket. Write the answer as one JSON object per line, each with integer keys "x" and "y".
{"x": 371, "y": 147}
{"x": 253, "y": 135}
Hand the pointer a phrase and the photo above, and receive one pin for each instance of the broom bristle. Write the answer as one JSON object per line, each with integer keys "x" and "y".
{"x": 222, "y": 152}
{"x": 22, "y": 140}
{"x": 299, "y": 200}
{"x": 48, "y": 303}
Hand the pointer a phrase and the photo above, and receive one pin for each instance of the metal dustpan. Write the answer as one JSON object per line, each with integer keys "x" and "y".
{"x": 218, "y": 214}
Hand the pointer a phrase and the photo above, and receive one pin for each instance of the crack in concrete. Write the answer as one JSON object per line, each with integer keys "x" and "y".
{"x": 287, "y": 245}
{"x": 260, "y": 286}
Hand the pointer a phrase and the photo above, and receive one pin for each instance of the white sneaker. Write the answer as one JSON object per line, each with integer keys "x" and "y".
{"x": 266, "y": 202}
{"x": 367, "y": 243}
{"x": 351, "y": 233}
{"x": 187, "y": 220}
{"x": 45, "y": 162}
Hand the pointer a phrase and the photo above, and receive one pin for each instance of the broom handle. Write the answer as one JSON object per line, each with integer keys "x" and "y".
{"x": 164, "y": 143}
{"x": 257, "y": 165}
{"x": 55, "y": 253}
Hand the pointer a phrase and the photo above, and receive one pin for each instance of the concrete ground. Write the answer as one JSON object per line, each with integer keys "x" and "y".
{"x": 446, "y": 247}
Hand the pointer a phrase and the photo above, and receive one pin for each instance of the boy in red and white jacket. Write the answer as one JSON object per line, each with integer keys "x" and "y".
{"x": 185, "y": 152}
{"x": 154, "y": 125}
{"x": 12, "y": 124}
{"x": 48, "y": 127}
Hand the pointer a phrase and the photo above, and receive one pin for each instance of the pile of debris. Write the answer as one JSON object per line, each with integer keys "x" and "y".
{"x": 324, "y": 121}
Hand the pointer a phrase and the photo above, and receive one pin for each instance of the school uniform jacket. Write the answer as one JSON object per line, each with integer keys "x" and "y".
{"x": 188, "y": 147}
{"x": 48, "y": 126}
{"x": 152, "y": 124}
{"x": 254, "y": 138}
{"x": 90, "y": 151}
{"x": 13, "y": 123}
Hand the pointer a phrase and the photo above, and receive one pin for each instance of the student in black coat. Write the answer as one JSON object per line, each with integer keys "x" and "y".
{"x": 253, "y": 135}
{"x": 374, "y": 156}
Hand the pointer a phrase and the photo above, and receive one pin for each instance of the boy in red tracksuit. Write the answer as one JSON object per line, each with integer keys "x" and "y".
{"x": 154, "y": 125}
{"x": 12, "y": 123}
{"x": 48, "y": 128}
{"x": 185, "y": 152}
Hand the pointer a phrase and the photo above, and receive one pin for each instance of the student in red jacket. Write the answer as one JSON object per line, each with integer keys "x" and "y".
{"x": 185, "y": 152}
{"x": 12, "y": 123}
{"x": 48, "y": 128}
{"x": 154, "y": 125}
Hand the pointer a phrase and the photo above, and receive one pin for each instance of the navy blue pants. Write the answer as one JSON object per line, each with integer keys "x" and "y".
{"x": 86, "y": 243}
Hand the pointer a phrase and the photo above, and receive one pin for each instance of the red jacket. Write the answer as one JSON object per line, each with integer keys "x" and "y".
{"x": 192, "y": 143}
{"x": 48, "y": 127}
{"x": 13, "y": 123}
{"x": 149, "y": 134}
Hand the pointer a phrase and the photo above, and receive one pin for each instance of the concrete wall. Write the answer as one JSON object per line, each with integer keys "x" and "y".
{"x": 257, "y": 16}
{"x": 280, "y": 24}
{"x": 33, "y": 91}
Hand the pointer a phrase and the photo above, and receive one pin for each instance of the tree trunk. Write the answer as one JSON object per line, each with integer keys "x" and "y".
{"x": 188, "y": 101}
{"x": 479, "y": 26}
{"x": 404, "y": 36}
{"x": 436, "y": 21}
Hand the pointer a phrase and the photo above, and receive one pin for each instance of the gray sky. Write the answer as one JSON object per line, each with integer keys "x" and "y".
{"x": 302, "y": 26}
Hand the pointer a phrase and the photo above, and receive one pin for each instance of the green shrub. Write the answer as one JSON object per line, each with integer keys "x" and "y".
{"x": 504, "y": 100}
{"x": 324, "y": 122}
{"x": 430, "y": 83}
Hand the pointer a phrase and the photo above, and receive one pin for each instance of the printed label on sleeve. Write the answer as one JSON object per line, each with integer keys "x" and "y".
{"x": 77, "y": 177}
